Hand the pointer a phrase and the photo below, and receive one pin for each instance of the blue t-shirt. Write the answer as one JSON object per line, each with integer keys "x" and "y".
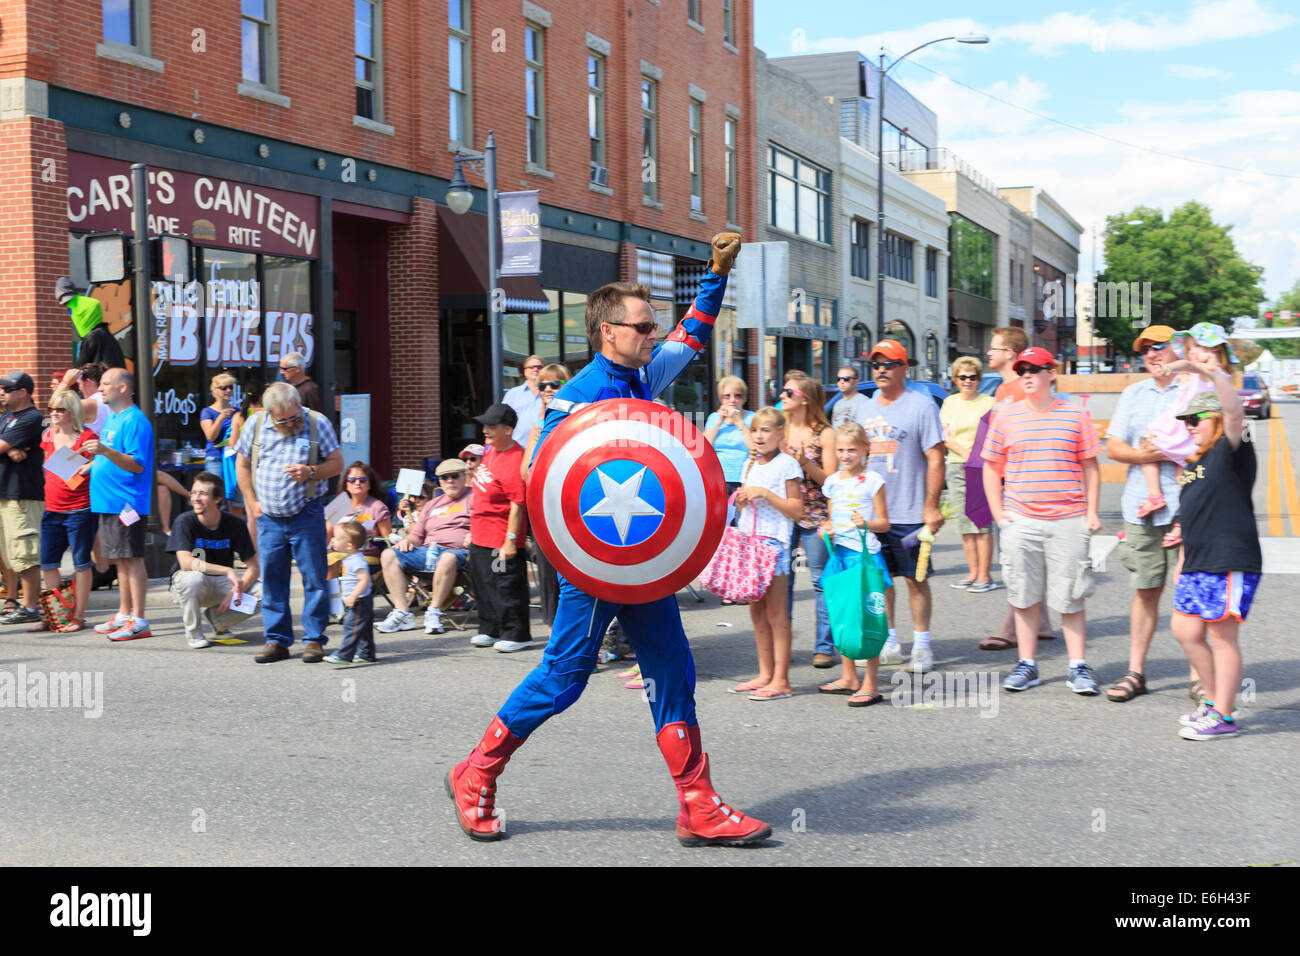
{"x": 113, "y": 488}
{"x": 352, "y": 564}
{"x": 730, "y": 445}
{"x": 210, "y": 414}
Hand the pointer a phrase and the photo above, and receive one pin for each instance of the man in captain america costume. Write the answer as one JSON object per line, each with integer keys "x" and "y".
{"x": 627, "y": 364}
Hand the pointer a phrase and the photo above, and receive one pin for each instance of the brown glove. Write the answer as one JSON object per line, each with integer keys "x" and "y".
{"x": 726, "y": 246}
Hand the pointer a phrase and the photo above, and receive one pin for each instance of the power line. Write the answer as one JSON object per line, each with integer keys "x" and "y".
{"x": 1090, "y": 132}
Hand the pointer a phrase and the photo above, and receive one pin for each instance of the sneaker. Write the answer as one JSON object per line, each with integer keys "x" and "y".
{"x": 922, "y": 661}
{"x": 131, "y": 630}
{"x": 364, "y": 660}
{"x": 108, "y": 627}
{"x": 433, "y": 623}
{"x": 335, "y": 659}
{"x": 197, "y": 641}
{"x": 963, "y": 584}
{"x": 312, "y": 653}
{"x": 1023, "y": 677}
{"x": 979, "y": 587}
{"x": 271, "y": 653}
{"x": 397, "y": 621}
{"x": 1080, "y": 680}
{"x": 1188, "y": 720}
{"x": 21, "y": 615}
{"x": 1210, "y": 727}
{"x": 509, "y": 647}
{"x": 482, "y": 640}
{"x": 889, "y": 654}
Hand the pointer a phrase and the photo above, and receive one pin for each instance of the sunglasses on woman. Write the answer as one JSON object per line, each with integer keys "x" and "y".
{"x": 968, "y": 378}
{"x": 357, "y": 479}
{"x": 791, "y": 392}
{"x": 551, "y": 384}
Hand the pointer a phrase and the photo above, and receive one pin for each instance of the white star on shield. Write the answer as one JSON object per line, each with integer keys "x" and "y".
{"x": 622, "y": 502}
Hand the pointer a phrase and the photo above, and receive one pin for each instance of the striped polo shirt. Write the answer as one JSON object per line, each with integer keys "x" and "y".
{"x": 1043, "y": 454}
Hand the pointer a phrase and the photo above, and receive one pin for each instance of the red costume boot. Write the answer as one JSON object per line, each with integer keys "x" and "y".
{"x": 704, "y": 819}
{"x": 472, "y": 783}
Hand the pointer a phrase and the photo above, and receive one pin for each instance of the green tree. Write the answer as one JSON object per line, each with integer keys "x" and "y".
{"x": 1289, "y": 301}
{"x": 1193, "y": 267}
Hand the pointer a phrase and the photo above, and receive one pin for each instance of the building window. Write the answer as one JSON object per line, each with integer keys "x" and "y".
{"x": 649, "y": 138}
{"x": 898, "y": 257}
{"x": 860, "y": 249}
{"x": 126, "y": 22}
{"x": 932, "y": 272}
{"x": 596, "y": 110}
{"x": 369, "y": 64}
{"x": 459, "y": 125}
{"x": 257, "y": 41}
{"x": 697, "y": 156}
{"x": 534, "y": 95}
{"x": 972, "y": 258}
{"x": 800, "y": 195}
{"x": 729, "y": 21}
{"x": 693, "y": 10}
{"x": 730, "y": 140}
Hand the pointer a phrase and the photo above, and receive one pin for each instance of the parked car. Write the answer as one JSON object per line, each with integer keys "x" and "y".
{"x": 937, "y": 392}
{"x": 1254, "y": 396}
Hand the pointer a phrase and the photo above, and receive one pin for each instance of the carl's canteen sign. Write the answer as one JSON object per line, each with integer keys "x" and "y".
{"x": 210, "y": 211}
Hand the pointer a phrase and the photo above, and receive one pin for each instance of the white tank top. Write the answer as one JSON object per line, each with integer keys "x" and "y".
{"x": 102, "y": 416}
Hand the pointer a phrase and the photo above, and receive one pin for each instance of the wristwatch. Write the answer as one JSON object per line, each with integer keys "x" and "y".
{"x": 510, "y": 536}
{"x": 311, "y": 470}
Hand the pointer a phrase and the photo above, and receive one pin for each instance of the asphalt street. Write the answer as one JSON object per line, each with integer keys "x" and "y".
{"x": 203, "y": 758}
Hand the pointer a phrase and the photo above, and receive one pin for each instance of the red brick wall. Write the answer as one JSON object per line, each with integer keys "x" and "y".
{"x": 38, "y": 334}
{"x": 413, "y": 322}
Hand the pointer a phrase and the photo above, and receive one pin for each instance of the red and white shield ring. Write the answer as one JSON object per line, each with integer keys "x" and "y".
{"x": 627, "y": 499}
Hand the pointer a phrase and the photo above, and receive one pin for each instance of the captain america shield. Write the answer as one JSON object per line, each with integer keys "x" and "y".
{"x": 627, "y": 500}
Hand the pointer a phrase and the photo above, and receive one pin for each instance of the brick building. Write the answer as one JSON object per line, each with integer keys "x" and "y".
{"x": 306, "y": 150}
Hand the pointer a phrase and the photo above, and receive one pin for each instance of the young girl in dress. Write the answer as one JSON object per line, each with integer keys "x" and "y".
{"x": 1206, "y": 342}
{"x": 857, "y": 500}
{"x": 769, "y": 494}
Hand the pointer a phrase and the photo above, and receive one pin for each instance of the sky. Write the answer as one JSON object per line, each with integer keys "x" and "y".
{"x": 1216, "y": 82}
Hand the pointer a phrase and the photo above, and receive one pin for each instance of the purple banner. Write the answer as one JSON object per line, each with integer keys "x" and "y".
{"x": 521, "y": 234}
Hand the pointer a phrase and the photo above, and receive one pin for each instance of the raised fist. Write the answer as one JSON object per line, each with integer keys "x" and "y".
{"x": 726, "y": 246}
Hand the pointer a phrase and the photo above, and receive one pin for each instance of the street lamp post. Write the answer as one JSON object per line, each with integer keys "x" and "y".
{"x": 459, "y": 199}
{"x": 880, "y": 167}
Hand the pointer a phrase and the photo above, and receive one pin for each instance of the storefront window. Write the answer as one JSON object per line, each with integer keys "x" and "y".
{"x": 514, "y": 349}
{"x": 546, "y": 329}
{"x": 576, "y": 351}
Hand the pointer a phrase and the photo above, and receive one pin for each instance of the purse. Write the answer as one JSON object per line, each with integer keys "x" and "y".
{"x": 57, "y": 604}
{"x": 855, "y": 603}
{"x": 742, "y": 568}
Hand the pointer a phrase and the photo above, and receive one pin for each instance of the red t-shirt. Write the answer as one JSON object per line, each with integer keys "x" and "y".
{"x": 497, "y": 484}
{"x": 1012, "y": 390}
{"x": 58, "y": 496}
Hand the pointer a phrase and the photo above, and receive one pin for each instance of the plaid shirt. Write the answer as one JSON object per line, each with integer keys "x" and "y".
{"x": 1140, "y": 404}
{"x": 279, "y": 495}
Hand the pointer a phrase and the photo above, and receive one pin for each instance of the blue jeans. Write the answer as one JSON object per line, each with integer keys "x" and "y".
{"x": 302, "y": 538}
{"x": 815, "y": 549}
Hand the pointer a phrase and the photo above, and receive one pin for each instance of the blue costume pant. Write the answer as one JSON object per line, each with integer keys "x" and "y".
{"x": 654, "y": 629}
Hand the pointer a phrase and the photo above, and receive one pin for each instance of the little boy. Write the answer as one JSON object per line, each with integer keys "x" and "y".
{"x": 359, "y": 617}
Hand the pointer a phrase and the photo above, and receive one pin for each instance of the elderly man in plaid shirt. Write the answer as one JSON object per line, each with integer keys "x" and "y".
{"x": 287, "y": 497}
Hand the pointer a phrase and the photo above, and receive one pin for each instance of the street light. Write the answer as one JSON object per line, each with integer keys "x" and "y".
{"x": 880, "y": 167}
{"x": 459, "y": 199}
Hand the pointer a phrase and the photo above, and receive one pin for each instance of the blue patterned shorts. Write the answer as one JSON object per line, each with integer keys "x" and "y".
{"x": 782, "y": 554}
{"x": 1215, "y": 597}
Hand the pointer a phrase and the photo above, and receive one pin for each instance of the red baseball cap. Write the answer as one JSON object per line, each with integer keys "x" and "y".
{"x": 1034, "y": 356}
{"x": 892, "y": 350}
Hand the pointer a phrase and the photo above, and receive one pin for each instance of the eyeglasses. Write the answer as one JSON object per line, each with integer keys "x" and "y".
{"x": 225, "y": 388}
{"x": 459, "y": 474}
{"x": 552, "y": 384}
{"x": 642, "y": 328}
{"x": 1028, "y": 369}
{"x": 968, "y": 378}
{"x": 1000, "y": 348}
{"x": 892, "y": 363}
{"x": 58, "y": 411}
{"x": 791, "y": 392}
{"x": 845, "y": 378}
{"x": 532, "y": 368}
{"x": 1155, "y": 347}
{"x": 285, "y": 422}
{"x": 357, "y": 479}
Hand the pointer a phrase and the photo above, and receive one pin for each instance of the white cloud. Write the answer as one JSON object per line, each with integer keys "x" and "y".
{"x": 1187, "y": 72}
{"x": 960, "y": 108}
{"x": 1294, "y": 67}
{"x": 1206, "y": 22}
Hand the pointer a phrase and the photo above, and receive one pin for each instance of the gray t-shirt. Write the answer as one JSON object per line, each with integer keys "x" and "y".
{"x": 847, "y": 409}
{"x": 900, "y": 433}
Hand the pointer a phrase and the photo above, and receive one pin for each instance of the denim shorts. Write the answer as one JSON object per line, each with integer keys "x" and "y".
{"x": 782, "y": 554}
{"x": 63, "y": 529}
{"x": 426, "y": 559}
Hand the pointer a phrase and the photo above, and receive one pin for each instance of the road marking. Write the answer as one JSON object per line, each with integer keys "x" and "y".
{"x": 1276, "y": 526}
{"x": 1288, "y": 477}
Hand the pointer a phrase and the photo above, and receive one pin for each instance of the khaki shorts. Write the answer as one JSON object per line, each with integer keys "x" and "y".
{"x": 956, "y": 475}
{"x": 20, "y": 533}
{"x": 1149, "y": 562}
{"x": 1046, "y": 560}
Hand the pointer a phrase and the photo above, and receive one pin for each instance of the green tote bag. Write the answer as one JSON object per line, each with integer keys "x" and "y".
{"x": 855, "y": 601}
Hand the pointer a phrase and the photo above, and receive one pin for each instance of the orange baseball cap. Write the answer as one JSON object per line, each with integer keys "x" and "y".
{"x": 892, "y": 350}
{"x": 1153, "y": 333}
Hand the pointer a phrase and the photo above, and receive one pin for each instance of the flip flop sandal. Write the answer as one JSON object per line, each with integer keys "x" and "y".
{"x": 835, "y": 687}
{"x": 1127, "y": 687}
{"x": 630, "y": 673}
{"x": 1196, "y": 691}
{"x": 72, "y": 626}
{"x": 865, "y": 700}
{"x": 637, "y": 684}
{"x": 38, "y": 627}
{"x": 745, "y": 688}
{"x": 996, "y": 642}
{"x": 764, "y": 694}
